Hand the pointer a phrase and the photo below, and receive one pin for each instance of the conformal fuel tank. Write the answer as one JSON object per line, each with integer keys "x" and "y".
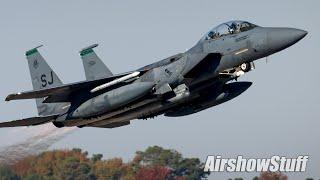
{"x": 113, "y": 99}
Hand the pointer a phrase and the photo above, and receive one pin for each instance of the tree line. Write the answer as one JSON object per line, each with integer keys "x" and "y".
{"x": 155, "y": 163}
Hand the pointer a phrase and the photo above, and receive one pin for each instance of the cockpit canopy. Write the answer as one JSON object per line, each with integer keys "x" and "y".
{"x": 231, "y": 27}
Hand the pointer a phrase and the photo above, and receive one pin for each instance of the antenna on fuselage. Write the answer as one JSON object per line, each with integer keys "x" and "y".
{"x": 266, "y": 59}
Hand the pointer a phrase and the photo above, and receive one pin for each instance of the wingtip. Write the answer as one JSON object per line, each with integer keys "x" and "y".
{"x": 10, "y": 97}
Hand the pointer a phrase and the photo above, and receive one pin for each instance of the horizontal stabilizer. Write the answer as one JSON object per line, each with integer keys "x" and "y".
{"x": 29, "y": 121}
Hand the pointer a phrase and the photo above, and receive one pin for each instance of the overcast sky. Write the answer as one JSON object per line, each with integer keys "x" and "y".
{"x": 278, "y": 115}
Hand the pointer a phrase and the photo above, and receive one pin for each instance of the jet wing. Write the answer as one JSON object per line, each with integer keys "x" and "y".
{"x": 61, "y": 93}
{"x": 29, "y": 121}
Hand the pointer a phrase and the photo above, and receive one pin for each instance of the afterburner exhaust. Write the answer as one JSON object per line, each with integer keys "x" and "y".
{"x": 36, "y": 140}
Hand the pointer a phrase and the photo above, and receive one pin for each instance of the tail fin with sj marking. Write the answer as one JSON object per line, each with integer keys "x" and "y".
{"x": 43, "y": 77}
{"x": 93, "y": 66}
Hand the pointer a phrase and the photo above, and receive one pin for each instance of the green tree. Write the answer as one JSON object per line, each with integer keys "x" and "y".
{"x": 157, "y": 156}
{"x": 96, "y": 157}
{"x": 72, "y": 168}
{"x": 32, "y": 177}
{"x": 189, "y": 168}
{"x": 7, "y": 173}
{"x": 77, "y": 150}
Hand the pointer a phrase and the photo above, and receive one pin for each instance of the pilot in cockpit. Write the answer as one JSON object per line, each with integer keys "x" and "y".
{"x": 213, "y": 35}
{"x": 234, "y": 28}
{"x": 225, "y": 29}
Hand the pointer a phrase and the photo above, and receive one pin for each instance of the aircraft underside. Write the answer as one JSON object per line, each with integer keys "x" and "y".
{"x": 198, "y": 100}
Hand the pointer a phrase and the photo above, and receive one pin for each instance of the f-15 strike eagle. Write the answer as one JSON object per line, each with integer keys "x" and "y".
{"x": 183, "y": 84}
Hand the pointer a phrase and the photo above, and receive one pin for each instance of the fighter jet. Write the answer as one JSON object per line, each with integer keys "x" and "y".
{"x": 199, "y": 78}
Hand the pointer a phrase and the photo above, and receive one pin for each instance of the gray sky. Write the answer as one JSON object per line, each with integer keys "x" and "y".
{"x": 278, "y": 115}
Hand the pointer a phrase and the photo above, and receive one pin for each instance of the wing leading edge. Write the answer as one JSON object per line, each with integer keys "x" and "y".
{"x": 61, "y": 93}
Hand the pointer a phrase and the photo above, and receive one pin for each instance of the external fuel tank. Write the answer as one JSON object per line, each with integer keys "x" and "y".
{"x": 113, "y": 99}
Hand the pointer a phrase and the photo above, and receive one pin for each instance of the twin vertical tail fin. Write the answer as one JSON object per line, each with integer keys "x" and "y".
{"x": 43, "y": 77}
{"x": 93, "y": 66}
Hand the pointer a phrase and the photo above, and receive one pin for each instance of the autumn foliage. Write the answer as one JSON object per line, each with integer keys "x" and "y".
{"x": 155, "y": 173}
{"x": 272, "y": 176}
{"x": 155, "y": 163}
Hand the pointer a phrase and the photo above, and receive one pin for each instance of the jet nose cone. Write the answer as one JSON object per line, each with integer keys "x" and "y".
{"x": 294, "y": 35}
{"x": 301, "y": 33}
{"x": 281, "y": 38}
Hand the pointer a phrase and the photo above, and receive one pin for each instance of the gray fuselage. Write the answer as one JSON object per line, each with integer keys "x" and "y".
{"x": 225, "y": 47}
